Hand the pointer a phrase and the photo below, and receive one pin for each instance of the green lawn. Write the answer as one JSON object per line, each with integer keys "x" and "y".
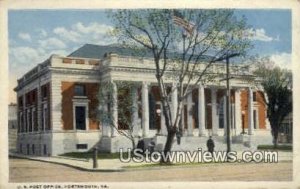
{"x": 279, "y": 147}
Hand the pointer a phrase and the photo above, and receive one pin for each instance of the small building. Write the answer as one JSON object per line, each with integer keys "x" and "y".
{"x": 58, "y": 104}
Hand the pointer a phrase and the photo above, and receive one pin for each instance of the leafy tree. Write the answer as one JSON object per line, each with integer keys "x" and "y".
{"x": 277, "y": 84}
{"x": 123, "y": 123}
{"x": 184, "y": 44}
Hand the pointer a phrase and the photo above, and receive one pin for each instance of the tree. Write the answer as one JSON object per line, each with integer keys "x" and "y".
{"x": 277, "y": 84}
{"x": 122, "y": 123}
{"x": 184, "y": 44}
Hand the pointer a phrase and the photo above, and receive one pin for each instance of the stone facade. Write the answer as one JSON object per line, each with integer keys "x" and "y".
{"x": 58, "y": 104}
{"x": 12, "y": 126}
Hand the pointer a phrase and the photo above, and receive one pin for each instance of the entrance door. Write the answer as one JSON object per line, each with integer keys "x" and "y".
{"x": 80, "y": 117}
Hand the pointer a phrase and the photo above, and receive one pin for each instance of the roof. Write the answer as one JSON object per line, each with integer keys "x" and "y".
{"x": 99, "y": 51}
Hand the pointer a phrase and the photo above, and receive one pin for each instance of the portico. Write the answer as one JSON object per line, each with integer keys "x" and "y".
{"x": 203, "y": 111}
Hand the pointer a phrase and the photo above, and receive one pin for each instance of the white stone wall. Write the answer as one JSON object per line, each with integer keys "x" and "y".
{"x": 38, "y": 139}
{"x": 66, "y": 141}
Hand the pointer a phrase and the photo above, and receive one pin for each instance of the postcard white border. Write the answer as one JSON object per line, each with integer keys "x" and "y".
{"x": 294, "y": 5}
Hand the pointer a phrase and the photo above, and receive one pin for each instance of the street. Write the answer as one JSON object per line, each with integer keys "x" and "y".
{"x": 23, "y": 170}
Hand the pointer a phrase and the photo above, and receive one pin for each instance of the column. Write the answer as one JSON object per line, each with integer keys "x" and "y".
{"x": 190, "y": 114}
{"x": 55, "y": 106}
{"x": 103, "y": 108}
{"x": 214, "y": 117}
{"x": 114, "y": 109}
{"x": 24, "y": 125}
{"x": 201, "y": 110}
{"x": 250, "y": 112}
{"x": 174, "y": 101}
{"x": 39, "y": 107}
{"x": 238, "y": 111}
{"x": 145, "y": 109}
{"x": 224, "y": 114}
{"x": 134, "y": 111}
{"x": 163, "y": 128}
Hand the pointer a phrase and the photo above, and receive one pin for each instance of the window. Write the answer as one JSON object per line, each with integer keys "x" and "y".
{"x": 29, "y": 120}
{"x": 35, "y": 127}
{"x": 25, "y": 122}
{"x": 44, "y": 91}
{"x": 20, "y": 101}
{"x": 27, "y": 148}
{"x": 221, "y": 115}
{"x": 80, "y": 116}
{"x": 45, "y": 118}
{"x": 33, "y": 119}
{"x": 33, "y": 149}
{"x": 45, "y": 149}
{"x": 33, "y": 97}
{"x": 152, "y": 112}
{"x": 21, "y": 128}
{"x": 79, "y": 90}
{"x": 254, "y": 96}
{"x": 81, "y": 146}
{"x": 27, "y": 99}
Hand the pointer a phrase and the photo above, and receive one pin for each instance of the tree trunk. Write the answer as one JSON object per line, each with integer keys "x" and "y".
{"x": 275, "y": 137}
{"x": 168, "y": 147}
{"x": 133, "y": 143}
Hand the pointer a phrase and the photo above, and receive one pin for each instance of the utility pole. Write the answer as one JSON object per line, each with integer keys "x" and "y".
{"x": 228, "y": 122}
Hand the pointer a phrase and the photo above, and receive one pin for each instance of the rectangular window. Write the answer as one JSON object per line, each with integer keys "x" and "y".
{"x": 81, "y": 146}
{"x": 21, "y": 101}
{"x": 25, "y": 122}
{"x": 80, "y": 117}
{"x": 33, "y": 97}
{"x": 254, "y": 97}
{"x": 20, "y": 125}
{"x": 45, "y": 118}
{"x": 28, "y": 148}
{"x": 29, "y": 120}
{"x": 27, "y": 99}
{"x": 33, "y": 119}
{"x": 45, "y": 149}
{"x": 33, "y": 149}
{"x": 79, "y": 90}
{"x": 44, "y": 91}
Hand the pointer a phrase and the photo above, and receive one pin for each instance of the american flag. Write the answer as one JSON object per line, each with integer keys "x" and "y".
{"x": 179, "y": 20}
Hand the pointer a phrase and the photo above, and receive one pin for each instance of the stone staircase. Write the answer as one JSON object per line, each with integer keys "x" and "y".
{"x": 188, "y": 143}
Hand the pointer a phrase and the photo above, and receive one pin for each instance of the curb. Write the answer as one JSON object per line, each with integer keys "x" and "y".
{"x": 69, "y": 165}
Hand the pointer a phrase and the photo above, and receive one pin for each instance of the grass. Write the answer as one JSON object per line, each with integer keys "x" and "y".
{"x": 89, "y": 155}
{"x": 279, "y": 147}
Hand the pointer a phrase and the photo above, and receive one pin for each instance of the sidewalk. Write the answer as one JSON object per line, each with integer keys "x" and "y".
{"x": 111, "y": 165}
{"x": 104, "y": 165}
